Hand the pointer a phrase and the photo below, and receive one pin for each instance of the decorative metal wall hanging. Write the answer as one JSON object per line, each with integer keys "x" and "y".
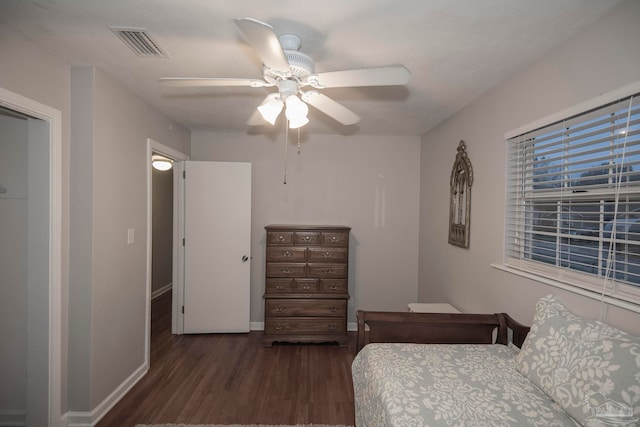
{"x": 460, "y": 198}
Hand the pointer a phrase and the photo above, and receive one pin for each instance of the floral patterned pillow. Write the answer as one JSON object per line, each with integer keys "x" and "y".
{"x": 589, "y": 368}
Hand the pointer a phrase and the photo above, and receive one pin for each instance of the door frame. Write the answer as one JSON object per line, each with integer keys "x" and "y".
{"x": 176, "y": 321}
{"x": 53, "y": 117}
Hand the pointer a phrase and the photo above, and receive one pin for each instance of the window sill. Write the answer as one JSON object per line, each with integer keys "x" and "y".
{"x": 629, "y": 302}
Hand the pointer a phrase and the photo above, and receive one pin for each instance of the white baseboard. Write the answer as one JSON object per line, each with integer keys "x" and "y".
{"x": 166, "y": 288}
{"x": 90, "y": 419}
{"x": 13, "y": 417}
{"x": 256, "y": 326}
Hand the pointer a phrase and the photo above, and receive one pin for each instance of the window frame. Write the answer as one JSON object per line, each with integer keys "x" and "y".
{"x": 591, "y": 285}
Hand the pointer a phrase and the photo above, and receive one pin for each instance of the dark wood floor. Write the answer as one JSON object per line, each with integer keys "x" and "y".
{"x": 231, "y": 378}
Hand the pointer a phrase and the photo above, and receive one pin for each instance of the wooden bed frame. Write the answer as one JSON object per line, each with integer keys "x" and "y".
{"x": 438, "y": 328}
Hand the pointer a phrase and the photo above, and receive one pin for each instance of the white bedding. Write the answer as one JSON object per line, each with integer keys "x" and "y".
{"x": 415, "y": 385}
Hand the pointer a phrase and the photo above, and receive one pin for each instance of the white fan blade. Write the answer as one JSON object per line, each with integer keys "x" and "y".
{"x": 330, "y": 107}
{"x": 265, "y": 42}
{"x": 392, "y": 75}
{"x": 204, "y": 81}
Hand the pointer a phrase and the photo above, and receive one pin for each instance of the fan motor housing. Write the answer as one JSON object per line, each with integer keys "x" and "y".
{"x": 301, "y": 65}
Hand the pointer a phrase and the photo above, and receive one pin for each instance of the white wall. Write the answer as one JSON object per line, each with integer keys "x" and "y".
{"x": 122, "y": 122}
{"x": 13, "y": 264}
{"x": 369, "y": 183}
{"x": 603, "y": 57}
{"x": 81, "y": 236}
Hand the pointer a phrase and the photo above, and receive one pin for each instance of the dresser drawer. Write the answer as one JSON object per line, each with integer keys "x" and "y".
{"x": 286, "y": 253}
{"x": 328, "y": 254}
{"x": 306, "y": 237}
{"x": 333, "y": 286}
{"x": 306, "y": 307}
{"x": 281, "y": 269}
{"x": 280, "y": 237}
{"x": 328, "y": 270}
{"x": 275, "y": 286}
{"x": 314, "y": 326}
{"x": 335, "y": 238}
{"x": 306, "y": 285}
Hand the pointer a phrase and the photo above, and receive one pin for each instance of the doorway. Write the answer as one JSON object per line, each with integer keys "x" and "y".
{"x": 33, "y": 187}
{"x": 162, "y": 248}
{"x": 155, "y": 147}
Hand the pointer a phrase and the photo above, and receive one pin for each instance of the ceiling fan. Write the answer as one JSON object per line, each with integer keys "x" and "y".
{"x": 293, "y": 73}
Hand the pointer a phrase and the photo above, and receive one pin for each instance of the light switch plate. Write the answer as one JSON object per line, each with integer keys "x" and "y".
{"x": 130, "y": 236}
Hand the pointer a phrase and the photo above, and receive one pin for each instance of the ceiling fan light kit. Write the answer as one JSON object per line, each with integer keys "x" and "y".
{"x": 297, "y": 122}
{"x": 288, "y": 69}
{"x": 270, "y": 108}
{"x": 296, "y": 109}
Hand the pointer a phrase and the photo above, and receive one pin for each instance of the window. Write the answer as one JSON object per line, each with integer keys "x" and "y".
{"x": 573, "y": 199}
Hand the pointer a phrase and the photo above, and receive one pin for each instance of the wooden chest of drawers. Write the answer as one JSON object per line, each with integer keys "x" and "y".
{"x": 306, "y": 290}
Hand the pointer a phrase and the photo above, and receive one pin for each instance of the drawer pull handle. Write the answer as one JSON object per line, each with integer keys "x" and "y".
{"x": 333, "y": 309}
{"x": 328, "y": 271}
{"x": 287, "y": 254}
{"x": 332, "y": 327}
{"x": 279, "y": 287}
{"x": 306, "y": 287}
{"x": 334, "y": 239}
{"x": 334, "y": 287}
{"x": 279, "y": 309}
{"x": 286, "y": 271}
{"x": 327, "y": 254}
{"x": 277, "y": 327}
{"x": 306, "y": 238}
{"x": 280, "y": 238}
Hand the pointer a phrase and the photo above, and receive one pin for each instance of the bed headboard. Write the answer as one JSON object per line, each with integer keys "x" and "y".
{"x": 438, "y": 328}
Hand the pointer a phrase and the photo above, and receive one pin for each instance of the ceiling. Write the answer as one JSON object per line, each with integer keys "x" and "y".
{"x": 455, "y": 51}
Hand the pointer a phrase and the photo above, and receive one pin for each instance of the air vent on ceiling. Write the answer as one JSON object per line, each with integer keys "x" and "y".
{"x": 139, "y": 41}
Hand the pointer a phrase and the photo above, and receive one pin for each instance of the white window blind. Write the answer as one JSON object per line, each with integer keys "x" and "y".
{"x": 573, "y": 198}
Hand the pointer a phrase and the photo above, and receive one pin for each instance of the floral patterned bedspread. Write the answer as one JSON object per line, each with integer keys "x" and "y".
{"x": 415, "y": 385}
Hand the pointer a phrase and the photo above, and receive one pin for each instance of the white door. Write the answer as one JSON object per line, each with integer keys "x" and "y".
{"x": 217, "y": 246}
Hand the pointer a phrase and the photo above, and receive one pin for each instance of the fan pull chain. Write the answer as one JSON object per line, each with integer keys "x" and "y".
{"x": 286, "y": 144}
{"x": 298, "y": 141}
